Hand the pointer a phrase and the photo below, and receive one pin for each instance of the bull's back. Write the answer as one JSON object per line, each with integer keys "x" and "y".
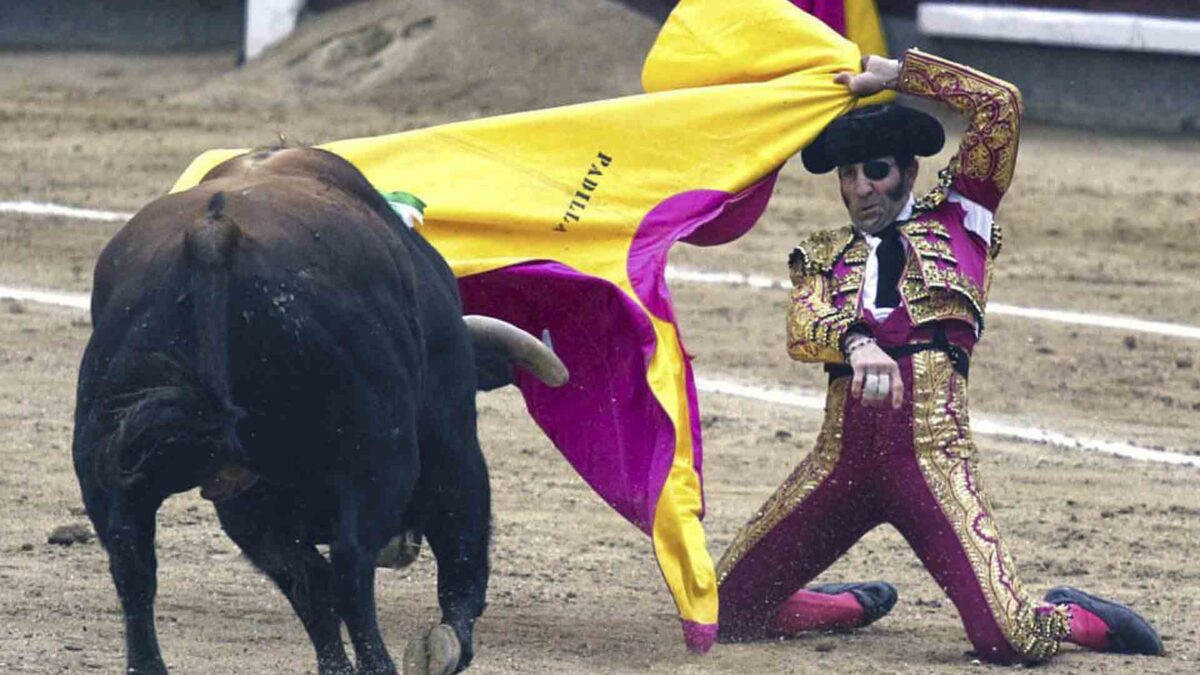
{"x": 325, "y": 319}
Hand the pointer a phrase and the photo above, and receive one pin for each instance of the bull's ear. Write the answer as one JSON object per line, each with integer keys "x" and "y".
{"x": 512, "y": 346}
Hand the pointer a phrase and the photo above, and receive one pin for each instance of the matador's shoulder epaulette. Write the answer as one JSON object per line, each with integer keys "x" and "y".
{"x": 820, "y": 252}
{"x": 936, "y": 195}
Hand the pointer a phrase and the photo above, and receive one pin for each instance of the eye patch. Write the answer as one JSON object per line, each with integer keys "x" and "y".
{"x": 876, "y": 169}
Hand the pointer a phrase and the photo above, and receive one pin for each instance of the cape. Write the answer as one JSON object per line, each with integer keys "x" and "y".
{"x": 562, "y": 219}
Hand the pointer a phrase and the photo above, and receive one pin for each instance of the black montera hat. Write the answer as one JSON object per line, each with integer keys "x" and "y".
{"x": 874, "y": 131}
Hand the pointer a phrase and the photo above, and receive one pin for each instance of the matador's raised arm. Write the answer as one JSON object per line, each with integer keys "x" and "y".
{"x": 982, "y": 169}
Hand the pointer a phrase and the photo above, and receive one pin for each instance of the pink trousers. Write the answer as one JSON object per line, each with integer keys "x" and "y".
{"x": 915, "y": 469}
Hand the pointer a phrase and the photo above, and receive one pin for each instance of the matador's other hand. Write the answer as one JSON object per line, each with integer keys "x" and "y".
{"x": 878, "y": 73}
{"x": 876, "y": 377}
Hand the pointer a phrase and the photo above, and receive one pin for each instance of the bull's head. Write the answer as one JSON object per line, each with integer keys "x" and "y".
{"x": 499, "y": 344}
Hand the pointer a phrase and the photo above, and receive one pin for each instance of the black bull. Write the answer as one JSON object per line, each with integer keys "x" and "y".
{"x": 279, "y": 337}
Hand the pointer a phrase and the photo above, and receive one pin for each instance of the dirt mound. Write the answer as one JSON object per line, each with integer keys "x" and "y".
{"x": 473, "y": 57}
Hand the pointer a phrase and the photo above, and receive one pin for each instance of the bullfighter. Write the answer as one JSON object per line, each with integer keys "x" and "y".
{"x": 893, "y": 306}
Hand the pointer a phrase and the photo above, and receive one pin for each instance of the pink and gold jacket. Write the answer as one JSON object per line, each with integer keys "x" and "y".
{"x": 950, "y": 240}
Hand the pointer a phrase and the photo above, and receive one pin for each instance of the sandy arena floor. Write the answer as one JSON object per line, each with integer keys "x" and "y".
{"x": 1095, "y": 223}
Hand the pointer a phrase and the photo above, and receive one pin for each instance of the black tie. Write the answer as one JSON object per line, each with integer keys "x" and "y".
{"x": 890, "y": 256}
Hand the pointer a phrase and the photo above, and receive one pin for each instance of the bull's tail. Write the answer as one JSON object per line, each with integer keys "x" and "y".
{"x": 176, "y": 421}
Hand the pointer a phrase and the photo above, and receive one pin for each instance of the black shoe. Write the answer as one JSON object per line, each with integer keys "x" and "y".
{"x": 1128, "y": 633}
{"x": 877, "y": 598}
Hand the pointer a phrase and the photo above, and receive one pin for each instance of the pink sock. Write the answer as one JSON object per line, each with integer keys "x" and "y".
{"x": 1087, "y": 629}
{"x": 807, "y": 611}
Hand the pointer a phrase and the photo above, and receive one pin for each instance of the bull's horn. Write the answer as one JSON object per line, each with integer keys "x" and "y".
{"x": 522, "y": 348}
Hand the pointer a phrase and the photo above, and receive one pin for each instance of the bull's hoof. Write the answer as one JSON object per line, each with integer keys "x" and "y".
{"x": 437, "y": 653}
{"x": 402, "y": 551}
{"x": 148, "y": 668}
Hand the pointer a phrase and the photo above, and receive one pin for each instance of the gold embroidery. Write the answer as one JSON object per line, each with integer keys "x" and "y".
{"x": 856, "y": 254}
{"x": 821, "y": 251}
{"x": 851, "y": 283}
{"x": 994, "y": 249}
{"x": 993, "y": 108}
{"x": 936, "y": 195}
{"x": 855, "y": 257}
{"x": 953, "y": 280}
{"x": 806, "y": 477}
{"x": 946, "y": 456}
{"x": 931, "y": 292}
{"x": 934, "y": 250}
{"x": 814, "y": 325}
{"x": 939, "y": 414}
{"x": 941, "y": 305}
{"x": 926, "y": 227}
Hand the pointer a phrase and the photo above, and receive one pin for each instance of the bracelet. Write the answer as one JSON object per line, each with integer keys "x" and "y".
{"x": 858, "y": 344}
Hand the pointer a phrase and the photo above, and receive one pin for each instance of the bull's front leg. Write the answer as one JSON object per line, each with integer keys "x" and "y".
{"x": 456, "y": 498}
{"x": 127, "y": 532}
{"x": 449, "y": 647}
{"x": 354, "y": 584}
{"x": 369, "y": 504}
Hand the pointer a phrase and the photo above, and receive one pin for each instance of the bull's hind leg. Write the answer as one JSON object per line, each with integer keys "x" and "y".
{"x": 125, "y": 525}
{"x": 456, "y": 498}
{"x": 263, "y": 523}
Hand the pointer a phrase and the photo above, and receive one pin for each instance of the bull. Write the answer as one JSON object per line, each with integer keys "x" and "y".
{"x": 280, "y": 338}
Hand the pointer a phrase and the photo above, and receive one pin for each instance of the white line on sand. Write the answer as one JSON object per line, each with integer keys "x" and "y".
{"x": 735, "y": 279}
{"x": 73, "y": 300}
{"x": 798, "y": 399}
{"x": 811, "y": 400}
{"x": 1096, "y": 320}
{"x": 41, "y": 209}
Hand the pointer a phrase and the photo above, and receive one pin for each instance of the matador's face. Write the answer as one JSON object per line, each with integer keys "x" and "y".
{"x": 875, "y": 191}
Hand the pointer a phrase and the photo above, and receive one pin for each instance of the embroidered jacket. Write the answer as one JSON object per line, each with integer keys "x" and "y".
{"x": 951, "y": 238}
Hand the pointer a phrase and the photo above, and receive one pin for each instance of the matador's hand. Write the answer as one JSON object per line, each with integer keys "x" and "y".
{"x": 876, "y": 377}
{"x": 878, "y": 74}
